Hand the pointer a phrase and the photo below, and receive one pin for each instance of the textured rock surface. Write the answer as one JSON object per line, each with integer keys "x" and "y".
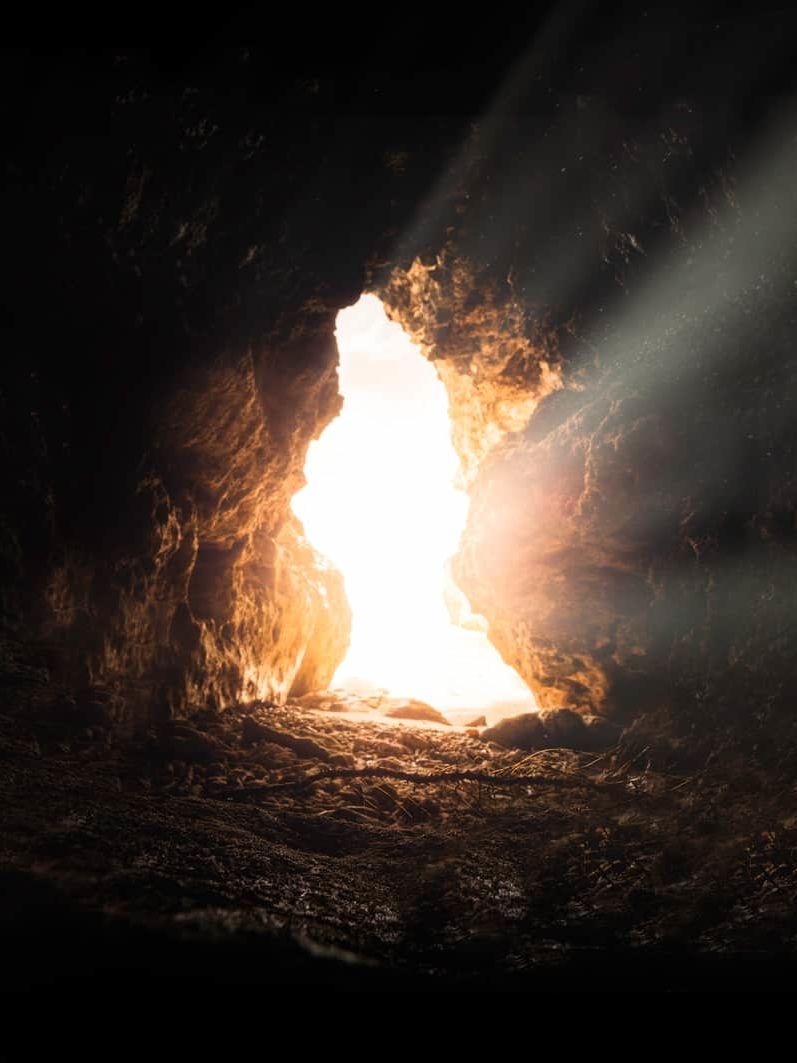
{"x": 599, "y": 262}
{"x": 611, "y": 308}
{"x": 494, "y": 354}
{"x": 554, "y": 729}
{"x": 180, "y": 234}
{"x": 593, "y": 238}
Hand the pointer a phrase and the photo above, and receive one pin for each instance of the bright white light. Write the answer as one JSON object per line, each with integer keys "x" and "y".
{"x": 380, "y": 502}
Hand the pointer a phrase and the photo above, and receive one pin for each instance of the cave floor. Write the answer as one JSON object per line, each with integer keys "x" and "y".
{"x": 206, "y": 854}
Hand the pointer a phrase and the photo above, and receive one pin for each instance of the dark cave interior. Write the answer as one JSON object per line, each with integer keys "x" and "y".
{"x": 586, "y": 222}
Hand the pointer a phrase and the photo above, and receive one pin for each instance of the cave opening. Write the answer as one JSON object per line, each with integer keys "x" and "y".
{"x": 382, "y": 501}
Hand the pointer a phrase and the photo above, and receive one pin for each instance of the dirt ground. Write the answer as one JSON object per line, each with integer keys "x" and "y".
{"x": 329, "y": 844}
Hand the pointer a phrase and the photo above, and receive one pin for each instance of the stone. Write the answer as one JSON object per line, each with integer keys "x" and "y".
{"x": 518, "y": 732}
{"x": 412, "y": 709}
{"x": 601, "y": 733}
{"x": 553, "y": 729}
{"x": 563, "y": 728}
{"x": 477, "y": 721}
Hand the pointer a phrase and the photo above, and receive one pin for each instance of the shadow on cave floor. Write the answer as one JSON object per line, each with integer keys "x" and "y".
{"x": 272, "y": 845}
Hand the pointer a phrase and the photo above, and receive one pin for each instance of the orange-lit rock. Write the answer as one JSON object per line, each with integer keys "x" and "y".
{"x": 220, "y": 598}
{"x": 604, "y": 282}
{"x": 496, "y": 360}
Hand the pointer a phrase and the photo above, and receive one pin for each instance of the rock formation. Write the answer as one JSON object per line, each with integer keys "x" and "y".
{"x": 602, "y": 270}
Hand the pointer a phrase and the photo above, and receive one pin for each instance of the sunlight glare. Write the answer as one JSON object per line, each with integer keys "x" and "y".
{"x": 380, "y": 502}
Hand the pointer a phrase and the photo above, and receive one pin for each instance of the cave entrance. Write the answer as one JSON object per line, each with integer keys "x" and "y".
{"x": 381, "y": 502}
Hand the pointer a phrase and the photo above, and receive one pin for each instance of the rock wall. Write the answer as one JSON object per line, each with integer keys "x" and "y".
{"x": 181, "y": 231}
{"x": 597, "y": 252}
{"x": 613, "y": 321}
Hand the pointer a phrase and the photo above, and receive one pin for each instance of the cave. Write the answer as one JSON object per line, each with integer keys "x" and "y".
{"x": 400, "y": 509}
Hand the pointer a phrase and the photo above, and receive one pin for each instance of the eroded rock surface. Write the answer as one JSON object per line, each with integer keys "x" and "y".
{"x": 553, "y": 729}
{"x": 179, "y": 242}
{"x": 612, "y": 321}
{"x": 600, "y": 264}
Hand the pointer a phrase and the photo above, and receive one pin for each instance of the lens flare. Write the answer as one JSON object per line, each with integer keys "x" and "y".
{"x": 380, "y": 502}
